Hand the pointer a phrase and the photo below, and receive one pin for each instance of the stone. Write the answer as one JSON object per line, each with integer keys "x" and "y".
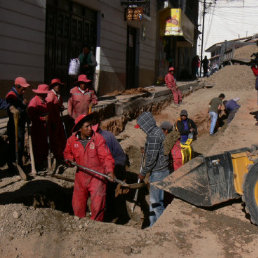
{"x": 127, "y": 250}
{"x": 16, "y": 215}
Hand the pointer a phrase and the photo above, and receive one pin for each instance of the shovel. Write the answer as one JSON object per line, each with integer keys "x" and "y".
{"x": 51, "y": 167}
{"x": 33, "y": 167}
{"x": 62, "y": 117}
{"x": 122, "y": 183}
{"x": 20, "y": 170}
{"x": 137, "y": 190}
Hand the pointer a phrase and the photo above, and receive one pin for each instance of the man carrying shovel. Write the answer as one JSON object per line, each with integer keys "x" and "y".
{"x": 156, "y": 163}
{"x": 88, "y": 148}
{"x": 16, "y": 112}
{"x": 38, "y": 114}
{"x": 56, "y": 129}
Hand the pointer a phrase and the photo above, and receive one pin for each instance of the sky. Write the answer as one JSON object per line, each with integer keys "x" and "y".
{"x": 228, "y": 19}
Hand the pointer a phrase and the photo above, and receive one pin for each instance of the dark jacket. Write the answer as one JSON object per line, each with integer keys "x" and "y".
{"x": 114, "y": 147}
{"x": 155, "y": 160}
{"x": 191, "y": 124}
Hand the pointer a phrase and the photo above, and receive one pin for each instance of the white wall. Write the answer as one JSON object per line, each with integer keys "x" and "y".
{"x": 22, "y": 39}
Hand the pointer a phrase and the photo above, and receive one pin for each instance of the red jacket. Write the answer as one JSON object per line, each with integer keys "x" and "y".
{"x": 95, "y": 155}
{"x": 55, "y": 105}
{"x": 170, "y": 80}
{"x": 37, "y": 110}
{"x": 79, "y": 102}
{"x": 255, "y": 70}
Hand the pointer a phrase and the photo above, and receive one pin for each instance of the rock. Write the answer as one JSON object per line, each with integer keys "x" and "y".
{"x": 80, "y": 226}
{"x": 16, "y": 215}
{"x": 76, "y": 218}
{"x": 128, "y": 250}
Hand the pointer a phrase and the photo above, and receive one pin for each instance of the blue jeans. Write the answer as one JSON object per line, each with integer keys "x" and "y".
{"x": 214, "y": 118}
{"x": 156, "y": 196}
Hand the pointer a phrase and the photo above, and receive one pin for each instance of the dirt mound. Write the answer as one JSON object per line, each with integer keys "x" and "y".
{"x": 245, "y": 52}
{"x": 128, "y": 92}
{"x": 234, "y": 77}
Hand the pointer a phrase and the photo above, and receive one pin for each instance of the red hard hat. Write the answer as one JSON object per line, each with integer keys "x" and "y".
{"x": 42, "y": 89}
{"x": 21, "y": 81}
{"x": 171, "y": 69}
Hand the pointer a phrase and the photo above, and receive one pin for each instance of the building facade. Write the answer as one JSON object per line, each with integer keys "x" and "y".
{"x": 39, "y": 37}
{"x": 178, "y": 36}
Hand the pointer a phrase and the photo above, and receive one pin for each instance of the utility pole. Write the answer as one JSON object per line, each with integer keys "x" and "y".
{"x": 203, "y": 20}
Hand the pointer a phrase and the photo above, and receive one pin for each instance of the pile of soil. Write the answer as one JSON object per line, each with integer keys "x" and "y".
{"x": 128, "y": 92}
{"x": 234, "y": 77}
{"x": 245, "y": 52}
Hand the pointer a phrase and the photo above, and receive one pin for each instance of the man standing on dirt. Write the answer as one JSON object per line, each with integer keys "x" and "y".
{"x": 171, "y": 84}
{"x": 88, "y": 148}
{"x": 113, "y": 205}
{"x": 156, "y": 163}
{"x": 17, "y": 108}
{"x": 38, "y": 114}
{"x": 215, "y": 106}
{"x": 56, "y": 129}
{"x": 82, "y": 98}
{"x": 185, "y": 126}
{"x": 171, "y": 144}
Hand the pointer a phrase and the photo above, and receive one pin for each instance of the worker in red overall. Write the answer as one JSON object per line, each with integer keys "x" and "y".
{"x": 255, "y": 71}
{"x": 171, "y": 84}
{"x": 38, "y": 114}
{"x": 82, "y": 97}
{"x": 56, "y": 129}
{"x": 88, "y": 148}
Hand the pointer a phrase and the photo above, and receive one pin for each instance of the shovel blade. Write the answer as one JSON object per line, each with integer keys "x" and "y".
{"x": 21, "y": 172}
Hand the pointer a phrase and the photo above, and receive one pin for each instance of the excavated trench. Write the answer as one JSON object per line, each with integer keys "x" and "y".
{"x": 50, "y": 194}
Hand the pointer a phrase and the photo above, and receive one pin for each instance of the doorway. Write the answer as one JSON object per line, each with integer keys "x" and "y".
{"x": 68, "y": 27}
{"x": 132, "y": 58}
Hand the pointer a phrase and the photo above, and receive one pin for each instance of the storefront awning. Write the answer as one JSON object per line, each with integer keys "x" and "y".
{"x": 173, "y": 22}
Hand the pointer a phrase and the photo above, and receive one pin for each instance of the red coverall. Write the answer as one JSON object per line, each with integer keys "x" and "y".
{"x": 177, "y": 155}
{"x": 97, "y": 156}
{"x": 37, "y": 109}
{"x": 171, "y": 84}
{"x": 55, "y": 126}
{"x": 79, "y": 102}
{"x": 255, "y": 70}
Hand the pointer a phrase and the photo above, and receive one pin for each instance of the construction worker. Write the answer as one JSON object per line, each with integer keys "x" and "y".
{"x": 172, "y": 144}
{"x": 114, "y": 205}
{"x": 38, "y": 113}
{"x": 82, "y": 97}
{"x": 215, "y": 106}
{"x": 56, "y": 129}
{"x": 186, "y": 126}
{"x": 156, "y": 163}
{"x": 88, "y": 148}
{"x": 231, "y": 107}
{"x": 16, "y": 106}
{"x": 171, "y": 84}
{"x": 254, "y": 68}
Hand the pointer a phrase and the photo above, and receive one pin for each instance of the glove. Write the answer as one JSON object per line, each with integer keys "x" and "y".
{"x": 14, "y": 110}
{"x": 69, "y": 164}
